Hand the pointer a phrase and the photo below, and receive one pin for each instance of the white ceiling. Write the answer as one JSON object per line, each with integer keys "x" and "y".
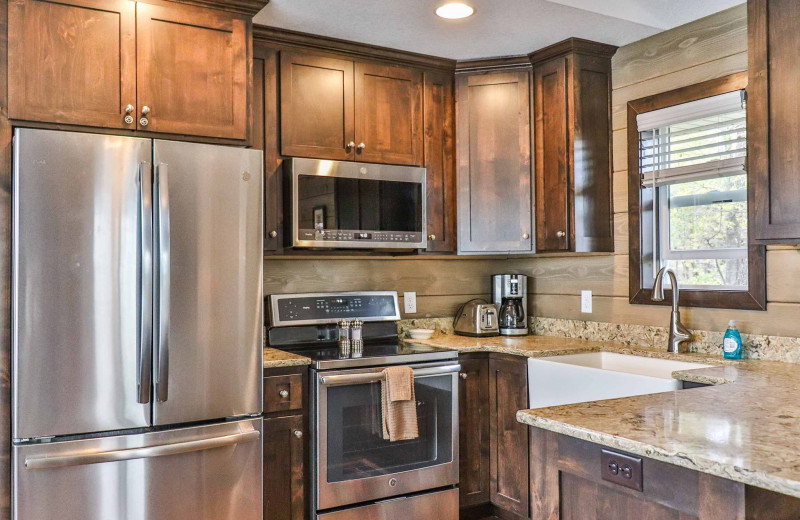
{"x": 498, "y": 27}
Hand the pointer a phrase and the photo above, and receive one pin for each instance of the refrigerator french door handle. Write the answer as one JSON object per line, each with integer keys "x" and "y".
{"x": 144, "y": 288}
{"x": 145, "y": 452}
{"x": 162, "y": 310}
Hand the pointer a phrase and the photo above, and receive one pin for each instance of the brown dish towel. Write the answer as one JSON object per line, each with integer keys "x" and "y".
{"x": 398, "y": 404}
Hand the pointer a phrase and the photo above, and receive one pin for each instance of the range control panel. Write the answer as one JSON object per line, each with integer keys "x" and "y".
{"x": 303, "y": 309}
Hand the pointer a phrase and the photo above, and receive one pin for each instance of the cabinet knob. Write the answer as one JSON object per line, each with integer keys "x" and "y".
{"x": 361, "y": 147}
{"x": 128, "y": 117}
{"x": 349, "y": 146}
{"x": 463, "y": 375}
{"x": 129, "y": 109}
{"x": 145, "y": 110}
{"x": 273, "y": 234}
{"x": 298, "y": 434}
{"x": 283, "y": 393}
{"x": 431, "y": 237}
{"x": 561, "y": 234}
{"x": 525, "y": 236}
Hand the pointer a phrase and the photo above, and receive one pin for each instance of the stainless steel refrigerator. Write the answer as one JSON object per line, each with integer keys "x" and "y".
{"x": 137, "y": 329}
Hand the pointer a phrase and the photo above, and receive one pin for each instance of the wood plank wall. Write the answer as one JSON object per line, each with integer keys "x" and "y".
{"x": 708, "y": 48}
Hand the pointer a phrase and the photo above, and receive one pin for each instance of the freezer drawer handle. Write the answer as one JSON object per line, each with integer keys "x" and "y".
{"x": 374, "y": 377}
{"x": 161, "y": 450}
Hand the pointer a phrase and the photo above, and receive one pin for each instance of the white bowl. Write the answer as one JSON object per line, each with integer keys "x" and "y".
{"x": 421, "y": 333}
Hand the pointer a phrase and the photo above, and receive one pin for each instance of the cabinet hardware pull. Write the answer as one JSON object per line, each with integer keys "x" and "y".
{"x": 463, "y": 375}
{"x": 431, "y": 237}
{"x": 525, "y": 236}
{"x": 349, "y": 146}
{"x": 273, "y": 234}
{"x": 561, "y": 234}
{"x": 283, "y": 393}
{"x": 361, "y": 147}
{"x": 128, "y": 117}
{"x": 298, "y": 434}
{"x": 145, "y": 110}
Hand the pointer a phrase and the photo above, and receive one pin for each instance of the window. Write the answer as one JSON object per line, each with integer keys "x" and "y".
{"x": 687, "y": 162}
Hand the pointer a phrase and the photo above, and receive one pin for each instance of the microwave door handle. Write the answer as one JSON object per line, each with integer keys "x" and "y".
{"x": 144, "y": 287}
{"x": 374, "y": 377}
{"x": 162, "y": 310}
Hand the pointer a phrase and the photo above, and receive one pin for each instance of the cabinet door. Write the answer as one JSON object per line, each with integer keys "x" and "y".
{"x": 494, "y": 162}
{"x": 508, "y": 393}
{"x": 192, "y": 70}
{"x": 72, "y": 61}
{"x": 552, "y": 156}
{"x": 284, "y": 455}
{"x": 473, "y": 431}
{"x": 439, "y": 122}
{"x": 316, "y": 107}
{"x": 265, "y": 137}
{"x": 773, "y": 120}
{"x": 388, "y": 114}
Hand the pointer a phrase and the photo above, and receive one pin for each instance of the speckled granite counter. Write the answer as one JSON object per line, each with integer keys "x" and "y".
{"x": 747, "y": 429}
{"x": 274, "y": 358}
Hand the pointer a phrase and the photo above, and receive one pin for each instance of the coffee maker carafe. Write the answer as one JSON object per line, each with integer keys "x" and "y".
{"x": 510, "y": 296}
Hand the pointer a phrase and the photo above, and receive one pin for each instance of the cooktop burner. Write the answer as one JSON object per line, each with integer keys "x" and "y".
{"x": 328, "y": 357}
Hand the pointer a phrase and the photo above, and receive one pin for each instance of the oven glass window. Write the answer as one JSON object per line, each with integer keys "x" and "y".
{"x": 339, "y": 203}
{"x": 355, "y": 445}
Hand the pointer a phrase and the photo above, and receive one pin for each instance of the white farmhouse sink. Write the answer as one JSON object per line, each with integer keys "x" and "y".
{"x": 593, "y": 376}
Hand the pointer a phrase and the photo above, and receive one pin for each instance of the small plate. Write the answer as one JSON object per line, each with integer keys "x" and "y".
{"x": 421, "y": 333}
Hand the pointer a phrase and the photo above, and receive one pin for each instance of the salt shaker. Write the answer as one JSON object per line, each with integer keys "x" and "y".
{"x": 356, "y": 340}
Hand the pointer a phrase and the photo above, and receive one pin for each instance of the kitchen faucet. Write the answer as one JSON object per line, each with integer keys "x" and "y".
{"x": 678, "y": 333}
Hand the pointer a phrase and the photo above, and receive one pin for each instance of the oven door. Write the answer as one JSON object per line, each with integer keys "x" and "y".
{"x": 354, "y": 462}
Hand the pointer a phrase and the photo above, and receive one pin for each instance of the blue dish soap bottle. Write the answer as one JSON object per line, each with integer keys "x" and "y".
{"x": 732, "y": 342}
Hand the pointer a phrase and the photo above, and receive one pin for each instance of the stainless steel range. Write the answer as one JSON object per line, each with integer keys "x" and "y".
{"x": 355, "y": 472}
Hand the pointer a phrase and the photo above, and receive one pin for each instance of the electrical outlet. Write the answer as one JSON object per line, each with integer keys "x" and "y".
{"x": 410, "y": 302}
{"x": 586, "y": 301}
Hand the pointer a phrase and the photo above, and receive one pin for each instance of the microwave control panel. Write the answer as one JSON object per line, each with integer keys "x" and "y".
{"x": 362, "y": 237}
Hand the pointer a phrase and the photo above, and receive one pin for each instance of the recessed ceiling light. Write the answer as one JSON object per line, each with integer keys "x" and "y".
{"x": 455, "y": 10}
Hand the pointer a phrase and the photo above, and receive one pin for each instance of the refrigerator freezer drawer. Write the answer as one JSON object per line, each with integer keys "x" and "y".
{"x": 199, "y": 473}
{"x": 441, "y": 505}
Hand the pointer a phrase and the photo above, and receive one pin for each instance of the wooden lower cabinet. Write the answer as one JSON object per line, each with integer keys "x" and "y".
{"x": 284, "y": 469}
{"x": 567, "y": 484}
{"x": 285, "y": 444}
{"x": 493, "y": 464}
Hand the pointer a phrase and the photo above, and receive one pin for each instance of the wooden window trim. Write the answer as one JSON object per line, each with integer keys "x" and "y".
{"x": 755, "y": 297}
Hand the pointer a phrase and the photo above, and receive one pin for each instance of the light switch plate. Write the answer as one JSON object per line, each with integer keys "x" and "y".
{"x": 410, "y": 302}
{"x": 586, "y": 301}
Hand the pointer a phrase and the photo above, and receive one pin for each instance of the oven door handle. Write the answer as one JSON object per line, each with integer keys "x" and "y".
{"x": 375, "y": 377}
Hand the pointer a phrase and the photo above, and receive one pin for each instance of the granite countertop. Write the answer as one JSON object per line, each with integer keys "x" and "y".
{"x": 746, "y": 428}
{"x": 274, "y": 358}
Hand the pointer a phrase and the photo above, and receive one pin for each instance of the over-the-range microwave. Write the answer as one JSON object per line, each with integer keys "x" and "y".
{"x": 338, "y": 204}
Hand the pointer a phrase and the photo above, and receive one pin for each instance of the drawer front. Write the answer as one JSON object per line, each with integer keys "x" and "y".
{"x": 283, "y": 393}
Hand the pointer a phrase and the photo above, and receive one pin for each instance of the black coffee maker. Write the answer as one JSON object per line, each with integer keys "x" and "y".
{"x": 510, "y": 296}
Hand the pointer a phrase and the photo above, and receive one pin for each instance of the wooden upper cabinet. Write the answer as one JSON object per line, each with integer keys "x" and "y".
{"x": 494, "y": 162}
{"x": 439, "y": 152}
{"x": 72, "y": 61}
{"x": 192, "y": 70}
{"x": 572, "y": 114}
{"x": 773, "y": 120}
{"x": 340, "y": 110}
{"x": 317, "y": 118}
{"x": 552, "y": 156}
{"x": 388, "y": 114}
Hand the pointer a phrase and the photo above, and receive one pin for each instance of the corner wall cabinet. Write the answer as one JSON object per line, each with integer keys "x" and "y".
{"x": 572, "y": 112}
{"x": 171, "y": 67}
{"x": 494, "y": 162}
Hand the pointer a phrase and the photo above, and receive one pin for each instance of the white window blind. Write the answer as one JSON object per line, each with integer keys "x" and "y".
{"x": 699, "y": 140}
